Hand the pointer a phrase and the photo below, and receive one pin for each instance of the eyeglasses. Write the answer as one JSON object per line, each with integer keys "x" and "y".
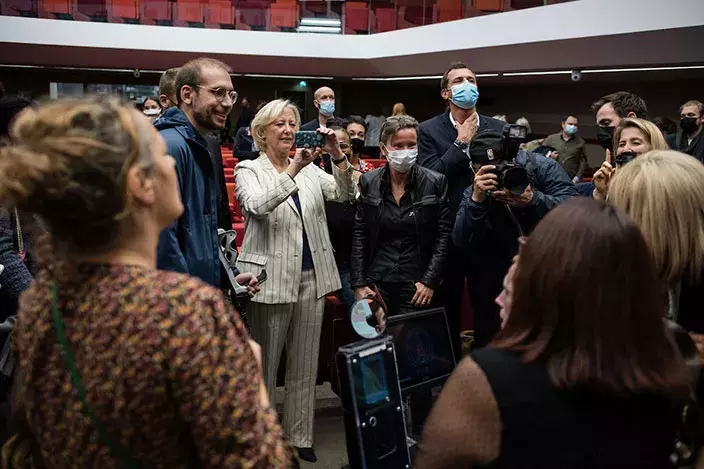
{"x": 344, "y": 146}
{"x": 221, "y": 93}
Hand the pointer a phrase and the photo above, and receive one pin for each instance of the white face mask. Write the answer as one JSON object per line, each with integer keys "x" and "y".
{"x": 151, "y": 112}
{"x": 402, "y": 160}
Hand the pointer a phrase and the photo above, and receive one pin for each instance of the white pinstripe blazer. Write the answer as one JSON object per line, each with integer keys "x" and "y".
{"x": 273, "y": 235}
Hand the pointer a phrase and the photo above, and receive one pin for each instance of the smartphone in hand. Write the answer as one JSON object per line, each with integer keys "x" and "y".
{"x": 309, "y": 139}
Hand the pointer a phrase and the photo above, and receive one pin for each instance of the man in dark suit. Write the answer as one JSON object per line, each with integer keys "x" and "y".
{"x": 443, "y": 145}
{"x": 324, "y": 102}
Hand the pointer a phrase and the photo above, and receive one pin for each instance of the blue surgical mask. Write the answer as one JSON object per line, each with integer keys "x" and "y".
{"x": 570, "y": 129}
{"x": 465, "y": 95}
{"x": 327, "y": 108}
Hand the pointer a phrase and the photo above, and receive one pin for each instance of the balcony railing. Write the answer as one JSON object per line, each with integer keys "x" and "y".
{"x": 331, "y": 16}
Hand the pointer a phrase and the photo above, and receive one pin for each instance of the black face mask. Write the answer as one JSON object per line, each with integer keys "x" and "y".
{"x": 357, "y": 145}
{"x": 689, "y": 124}
{"x": 625, "y": 157}
{"x": 605, "y": 135}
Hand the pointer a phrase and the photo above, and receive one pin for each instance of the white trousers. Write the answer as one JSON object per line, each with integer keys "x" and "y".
{"x": 297, "y": 325}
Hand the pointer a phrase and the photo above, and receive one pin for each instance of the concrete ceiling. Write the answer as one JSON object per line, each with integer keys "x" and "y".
{"x": 670, "y": 34}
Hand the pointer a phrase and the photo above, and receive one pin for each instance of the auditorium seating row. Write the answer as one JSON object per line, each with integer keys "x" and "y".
{"x": 356, "y": 16}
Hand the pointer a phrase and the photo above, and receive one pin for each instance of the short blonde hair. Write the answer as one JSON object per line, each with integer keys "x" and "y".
{"x": 267, "y": 115}
{"x": 663, "y": 192}
{"x": 651, "y": 131}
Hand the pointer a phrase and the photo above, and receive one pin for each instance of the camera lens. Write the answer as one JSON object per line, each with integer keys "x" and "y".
{"x": 515, "y": 180}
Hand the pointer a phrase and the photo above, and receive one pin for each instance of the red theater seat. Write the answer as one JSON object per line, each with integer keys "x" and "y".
{"x": 237, "y": 216}
{"x": 230, "y": 186}
{"x": 414, "y": 13}
{"x": 125, "y": 9}
{"x": 357, "y": 17}
{"x": 449, "y": 10}
{"x": 57, "y": 7}
{"x": 283, "y": 15}
{"x": 251, "y": 13}
{"x": 220, "y": 12}
{"x": 230, "y": 162}
{"x": 189, "y": 11}
{"x": 19, "y": 7}
{"x": 385, "y": 19}
{"x": 239, "y": 228}
{"x": 489, "y": 5}
{"x": 156, "y": 10}
{"x": 112, "y": 10}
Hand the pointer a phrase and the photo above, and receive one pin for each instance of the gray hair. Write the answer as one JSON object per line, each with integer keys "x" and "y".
{"x": 394, "y": 124}
{"x": 524, "y": 122}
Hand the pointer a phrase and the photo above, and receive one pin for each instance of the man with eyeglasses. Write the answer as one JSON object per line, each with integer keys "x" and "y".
{"x": 167, "y": 98}
{"x": 205, "y": 97}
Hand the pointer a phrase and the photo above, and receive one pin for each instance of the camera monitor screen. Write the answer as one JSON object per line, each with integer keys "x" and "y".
{"x": 423, "y": 348}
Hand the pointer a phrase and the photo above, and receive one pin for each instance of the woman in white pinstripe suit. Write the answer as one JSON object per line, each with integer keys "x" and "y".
{"x": 286, "y": 233}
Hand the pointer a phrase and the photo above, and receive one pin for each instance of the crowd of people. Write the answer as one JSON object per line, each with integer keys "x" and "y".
{"x": 127, "y": 347}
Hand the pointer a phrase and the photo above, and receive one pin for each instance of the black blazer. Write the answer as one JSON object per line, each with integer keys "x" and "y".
{"x": 314, "y": 124}
{"x": 428, "y": 191}
{"x": 436, "y": 150}
{"x": 244, "y": 144}
{"x": 224, "y": 218}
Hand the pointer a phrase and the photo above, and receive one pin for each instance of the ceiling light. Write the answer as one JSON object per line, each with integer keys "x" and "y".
{"x": 530, "y": 74}
{"x": 644, "y": 69}
{"x": 424, "y": 77}
{"x": 330, "y": 22}
{"x": 319, "y": 29}
{"x": 294, "y": 77}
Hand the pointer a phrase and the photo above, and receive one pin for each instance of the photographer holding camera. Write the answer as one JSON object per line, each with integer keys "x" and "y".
{"x": 512, "y": 191}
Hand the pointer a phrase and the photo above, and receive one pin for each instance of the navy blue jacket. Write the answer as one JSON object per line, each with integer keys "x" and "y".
{"x": 190, "y": 245}
{"x": 479, "y": 228}
{"x": 488, "y": 233}
{"x": 437, "y": 151}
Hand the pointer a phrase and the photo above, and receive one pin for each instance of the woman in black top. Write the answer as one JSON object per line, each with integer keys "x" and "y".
{"x": 582, "y": 375}
{"x": 402, "y": 226}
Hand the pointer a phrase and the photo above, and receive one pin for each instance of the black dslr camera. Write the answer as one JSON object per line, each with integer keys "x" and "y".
{"x": 512, "y": 177}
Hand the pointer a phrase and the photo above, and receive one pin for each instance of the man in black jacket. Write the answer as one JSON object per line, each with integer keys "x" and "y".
{"x": 690, "y": 138}
{"x": 443, "y": 143}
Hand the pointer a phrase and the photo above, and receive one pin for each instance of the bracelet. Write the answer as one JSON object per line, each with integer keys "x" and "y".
{"x": 344, "y": 158}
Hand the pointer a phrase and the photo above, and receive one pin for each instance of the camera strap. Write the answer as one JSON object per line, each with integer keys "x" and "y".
{"x": 116, "y": 449}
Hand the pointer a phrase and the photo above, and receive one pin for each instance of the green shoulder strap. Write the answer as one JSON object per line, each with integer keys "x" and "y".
{"x": 117, "y": 450}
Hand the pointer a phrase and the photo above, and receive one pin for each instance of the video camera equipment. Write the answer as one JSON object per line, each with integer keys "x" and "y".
{"x": 423, "y": 348}
{"x": 500, "y": 149}
{"x": 375, "y": 376}
{"x": 512, "y": 177}
{"x": 375, "y": 427}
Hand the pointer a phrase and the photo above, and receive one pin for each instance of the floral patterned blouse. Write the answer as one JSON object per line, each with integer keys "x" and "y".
{"x": 166, "y": 367}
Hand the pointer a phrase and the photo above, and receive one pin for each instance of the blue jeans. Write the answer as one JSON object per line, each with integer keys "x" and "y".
{"x": 346, "y": 294}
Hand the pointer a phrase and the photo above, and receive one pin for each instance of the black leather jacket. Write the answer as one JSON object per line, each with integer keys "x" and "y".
{"x": 428, "y": 191}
